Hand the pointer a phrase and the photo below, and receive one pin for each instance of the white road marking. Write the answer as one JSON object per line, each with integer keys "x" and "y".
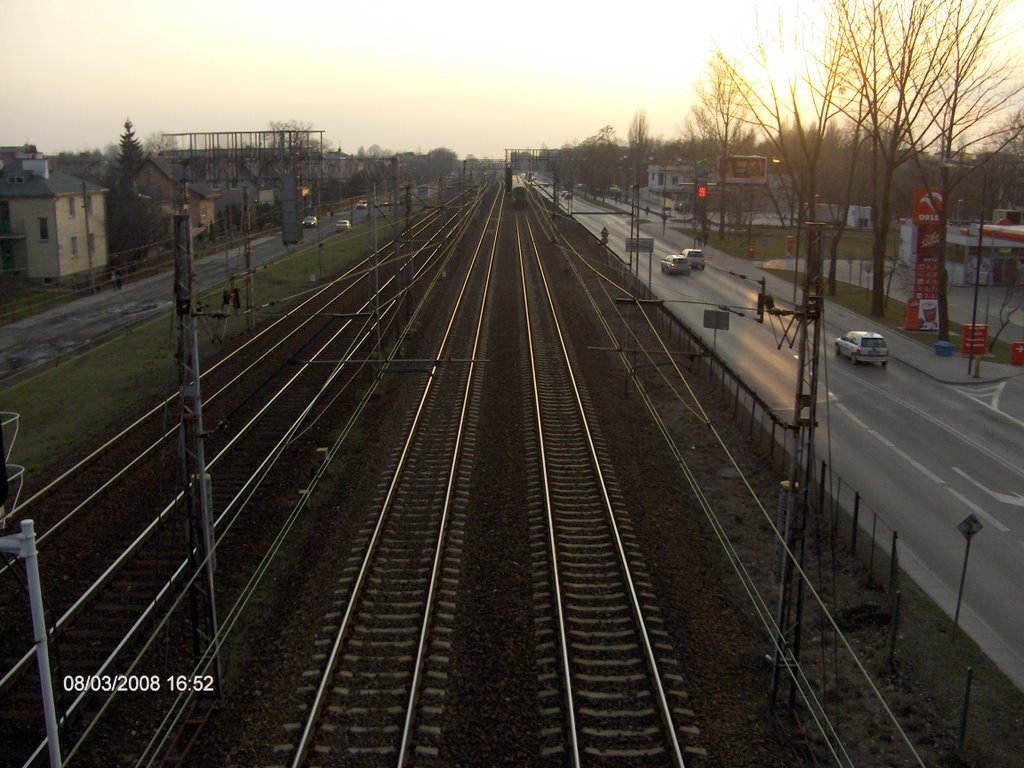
{"x": 851, "y": 416}
{"x": 1015, "y": 499}
{"x": 974, "y": 445}
{"x": 979, "y": 511}
{"x": 988, "y": 397}
{"x": 913, "y": 462}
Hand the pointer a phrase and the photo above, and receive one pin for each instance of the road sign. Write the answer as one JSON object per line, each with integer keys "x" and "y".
{"x": 969, "y": 526}
{"x": 639, "y": 245}
{"x": 717, "y": 319}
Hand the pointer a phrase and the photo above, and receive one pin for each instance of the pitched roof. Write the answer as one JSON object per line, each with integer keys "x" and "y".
{"x": 16, "y": 181}
{"x": 173, "y": 172}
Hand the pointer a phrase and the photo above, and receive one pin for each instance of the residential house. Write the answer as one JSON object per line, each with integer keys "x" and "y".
{"x": 160, "y": 180}
{"x": 52, "y": 225}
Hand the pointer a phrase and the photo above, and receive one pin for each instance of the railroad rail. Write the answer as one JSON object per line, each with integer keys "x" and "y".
{"x": 389, "y": 623}
{"x": 117, "y": 594}
{"x": 619, "y": 706}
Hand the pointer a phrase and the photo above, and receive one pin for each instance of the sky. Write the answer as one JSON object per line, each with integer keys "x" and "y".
{"x": 474, "y": 77}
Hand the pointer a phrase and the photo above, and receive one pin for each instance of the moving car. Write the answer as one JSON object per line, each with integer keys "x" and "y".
{"x": 863, "y": 347}
{"x": 310, "y": 221}
{"x": 675, "y": 264}
{"x": 695, "y": 257}
{"x": 342, "y": 225}
{"x": 361, "y": 205}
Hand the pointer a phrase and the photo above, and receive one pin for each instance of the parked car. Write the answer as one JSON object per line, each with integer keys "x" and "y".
{"x": 310, "y": 221}
{"x": 675, "y": 264}
{"x": 863, "y": 347}
{"x": 695, "y": 257}
{"x": 342, "y": 225}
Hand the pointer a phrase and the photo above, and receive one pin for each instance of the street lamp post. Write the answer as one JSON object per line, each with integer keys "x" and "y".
{"x": 977, "y": 279}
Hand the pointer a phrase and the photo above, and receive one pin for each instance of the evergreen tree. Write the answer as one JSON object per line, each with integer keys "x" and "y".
{"x": 129, "y": 158}
{"x": 133, "y": 224}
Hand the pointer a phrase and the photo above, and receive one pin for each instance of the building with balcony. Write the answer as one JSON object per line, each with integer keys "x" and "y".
{"x": 52, "y": 225}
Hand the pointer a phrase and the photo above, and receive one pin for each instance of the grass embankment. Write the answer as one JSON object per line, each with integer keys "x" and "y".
{"x": 62, "y": 406}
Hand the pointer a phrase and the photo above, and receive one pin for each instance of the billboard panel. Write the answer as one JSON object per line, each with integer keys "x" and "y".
{"x": 745, "y": 169}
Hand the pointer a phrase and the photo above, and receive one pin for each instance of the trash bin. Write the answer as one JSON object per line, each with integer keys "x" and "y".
{"x": 944, "y": 348}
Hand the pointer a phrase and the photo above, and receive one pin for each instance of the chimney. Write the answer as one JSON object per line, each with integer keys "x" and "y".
{"x": 40, "y": 166}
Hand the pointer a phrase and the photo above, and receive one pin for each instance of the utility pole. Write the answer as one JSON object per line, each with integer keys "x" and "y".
{"x": 88, "y": 237}
{"x": 247, "y": 227}
{"x": 373, "y": 283}
{"x": 198, "y": 499}
{"x": 798, "y": 491}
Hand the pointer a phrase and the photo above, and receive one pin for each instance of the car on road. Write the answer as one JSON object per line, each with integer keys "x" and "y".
{"x": 361, "y": 205}
{"x": 863, "y": 347}
{"x": 675, "y": 264}
{"x": 310, "y": 221}
{"x": 695, "y": 257}
{"x": 342, "y": 225}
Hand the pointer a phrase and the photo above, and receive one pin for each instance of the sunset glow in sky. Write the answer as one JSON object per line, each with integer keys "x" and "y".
{"x": 408, "y": 76}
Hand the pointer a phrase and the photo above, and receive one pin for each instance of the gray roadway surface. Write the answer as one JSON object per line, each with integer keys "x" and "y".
{"x": 952, "y": 370}
{"x": 44, "y": 340}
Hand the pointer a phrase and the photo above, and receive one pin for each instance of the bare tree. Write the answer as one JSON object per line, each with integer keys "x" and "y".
{"x": 719, "y": 113}
{"x": 795, "y": 109}
{"x": 893, "y": 63}
{"x": 639, "y": 144}
{"x": 975, "y": 87}
{"x": 159, "y": 142}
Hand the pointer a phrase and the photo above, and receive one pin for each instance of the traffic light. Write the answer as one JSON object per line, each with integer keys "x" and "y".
{"x": 702, "y": 191}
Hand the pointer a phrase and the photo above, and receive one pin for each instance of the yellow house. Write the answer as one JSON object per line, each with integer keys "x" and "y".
{"x": 52, "y": 225}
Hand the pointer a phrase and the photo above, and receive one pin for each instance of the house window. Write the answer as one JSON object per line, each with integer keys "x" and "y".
{"x": 71, "y": 207}
{"x": 74, "y": 247}
{"x": 44, "y": 228}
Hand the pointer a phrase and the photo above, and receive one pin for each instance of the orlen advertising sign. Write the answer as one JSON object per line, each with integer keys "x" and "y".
{"x": 923, "y": 304}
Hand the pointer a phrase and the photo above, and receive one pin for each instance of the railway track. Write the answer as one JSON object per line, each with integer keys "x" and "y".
{"x": 610, "y": 658}
{"x": 107, "y": 599}
{"x": 383, "y": 678}
{"x": 608, "y": 690}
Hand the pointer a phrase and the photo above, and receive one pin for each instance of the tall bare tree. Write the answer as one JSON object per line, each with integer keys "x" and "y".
{"x": 893, "y": 67}
{"x": 976, "y": 86}
{"x": 640, "y": 144}
{"x": 720, "y": 112}
{"x": 795, "y": 107}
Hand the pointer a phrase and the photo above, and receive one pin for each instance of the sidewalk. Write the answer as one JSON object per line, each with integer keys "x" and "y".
{"x": 29, "y": 345}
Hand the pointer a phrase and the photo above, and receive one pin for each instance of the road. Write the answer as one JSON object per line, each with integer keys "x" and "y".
{"x": 71, "y": 328}
{"x": 924, "y": 443}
